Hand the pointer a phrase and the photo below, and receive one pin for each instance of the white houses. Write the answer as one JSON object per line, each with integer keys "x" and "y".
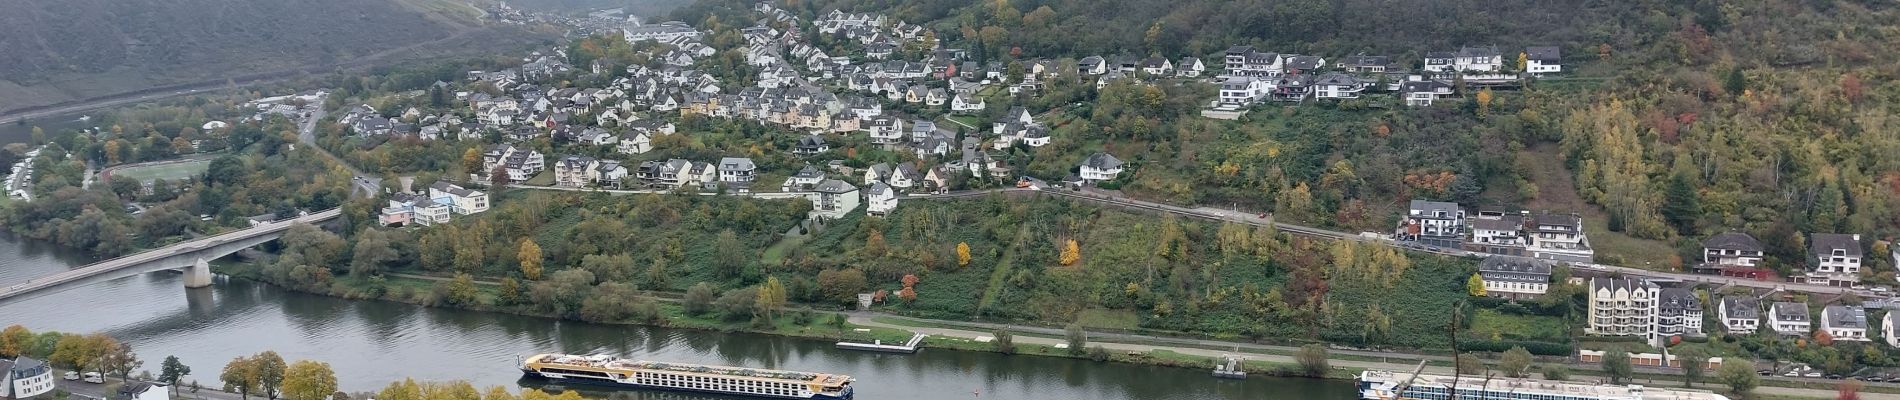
{"x": 1731, "y": 249}
{"x": 1434, "y": 223}
{"x": 1845, "y": 323}
{"x": 1789, "y": 318}
{"x": 880, "y": 199}
{"x": 1623, "y": 307}
{"x": 1515, "y": 278}
{"x": 1887, "y": 329}
{"x": 25, "y": 377}
{"x": 1740, "y": 315}
{"x": 737, "y": 169}
{"x": 1541, "y": 60}
{"x": 1245, "y": 61}
{"x": 460, "y": 200}
{"x": 1678, "y": 313}
{"x": 1555, "y": 236}
{"x": 1479, "y": 59}
{"x": 1497, "y": 233}
{"x": 1835, "y": 260}
{"x": 635, "y": 143}
{"x": 1338, "y": 86}
{"x": 135, "y": 390}
{"x": 573, "y": 171}
{"x": 520, "y": 163}
{"x": 1100, "y": 167}
{"x": 835, "y": 198}
{"x": 1190, "y": 67}
{"x": 1422, "y": 93}
{"x": 664, "y": 32}
{"x": 1241, "y": 91}
{"x": 964, "y": 102}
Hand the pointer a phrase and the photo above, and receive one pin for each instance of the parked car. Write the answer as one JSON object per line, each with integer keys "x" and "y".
{"x": 95, "y": 377}
{"x": 72, "y": 376}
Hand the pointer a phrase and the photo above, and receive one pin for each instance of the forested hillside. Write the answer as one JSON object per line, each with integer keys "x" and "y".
{"x": 60, "y": 50}
{"x": 1675, "y": 120}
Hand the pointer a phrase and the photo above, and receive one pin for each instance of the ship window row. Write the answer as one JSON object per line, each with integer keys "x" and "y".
{"x": 1439, "y": 393}
{"x": 727, "y": 381}
{"x": 755, "y": 387}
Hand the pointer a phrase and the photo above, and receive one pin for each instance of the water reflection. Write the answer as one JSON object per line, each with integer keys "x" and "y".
{"x": 371, "y": 343}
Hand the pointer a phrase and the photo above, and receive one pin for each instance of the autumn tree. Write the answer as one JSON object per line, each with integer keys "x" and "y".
{"x": 1004, "y": 342}
{"x": 270, "y": 369}
{"x": 963, "y": 254}
{"x": 729, "y": 255}
{"x": 841, "y": 286}
{"x": 1516, "y": 362}
{"x": 1475, "y": 285}
{"x": 1738, "y": 374}
{"x": 1071, "y": 252}
{"x": 115, "y": 357}
{"x": 1076, "y": 337}
{"x": 14, "y": 341}
{"x": 1848, "y": 390}
{"x": 530, "y": 257}
{"x": 1313, "y": 360}
{"x": 240, "y": 375}
{"x": 908, "y": 295}
{"x": 472, "y": 160}
{"x": 772, "y": 298}
{"x": 309, "y": 380}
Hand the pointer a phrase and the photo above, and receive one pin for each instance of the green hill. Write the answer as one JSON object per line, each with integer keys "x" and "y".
{"x": 63, "y": 50}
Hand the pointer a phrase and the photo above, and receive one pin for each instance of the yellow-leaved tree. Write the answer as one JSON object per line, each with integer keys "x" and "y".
{"x": 530, "y": 256}
{"x": 309, "y": 380}
{"x": 1475, "y": 285}
{"x": 963, "y": 254}
{"x": 1071, "y": 252}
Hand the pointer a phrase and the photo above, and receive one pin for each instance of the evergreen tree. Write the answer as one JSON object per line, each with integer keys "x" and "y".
{"x": 1735, "y": 82}
{"x": 1682, "y": 205}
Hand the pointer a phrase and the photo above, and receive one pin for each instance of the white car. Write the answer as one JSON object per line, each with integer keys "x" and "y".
{"x": 94, "y": 377}
{"x": 72, "y": 376}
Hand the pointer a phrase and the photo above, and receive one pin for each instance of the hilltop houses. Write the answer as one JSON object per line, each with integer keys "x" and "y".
{"x": 1515, "y": 278}
{"x": 1433, "y": 223}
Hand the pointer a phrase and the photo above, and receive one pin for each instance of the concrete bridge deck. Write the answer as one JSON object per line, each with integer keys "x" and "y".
{"x": 191, "y": 256}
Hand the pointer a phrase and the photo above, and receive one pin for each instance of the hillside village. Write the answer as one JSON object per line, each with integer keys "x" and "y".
{"x": 950, "y": 123}
{"x": 946, "y": 111}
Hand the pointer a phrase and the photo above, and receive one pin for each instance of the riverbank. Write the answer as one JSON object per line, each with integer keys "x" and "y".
{"x": 1030, "y": 341}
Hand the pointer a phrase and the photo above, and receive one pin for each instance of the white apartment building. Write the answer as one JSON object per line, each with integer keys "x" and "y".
{"x": 1623, "y": 307}
{"x": 1845, "y": 323}
{"x": 1559, "y": 237}
{"x": 1741, "y": 315}
{"x": 1835, "y": 260}
{"x": 1789, "y": 318}
{"x": 1678, "y": 312}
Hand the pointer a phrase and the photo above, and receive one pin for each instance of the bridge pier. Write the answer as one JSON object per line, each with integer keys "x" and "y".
{"x": 198, "y": 274}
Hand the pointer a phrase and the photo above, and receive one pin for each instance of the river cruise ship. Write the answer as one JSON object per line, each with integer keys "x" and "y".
{"x": 612, "y": 371}
{"x": 1388, "y": 385}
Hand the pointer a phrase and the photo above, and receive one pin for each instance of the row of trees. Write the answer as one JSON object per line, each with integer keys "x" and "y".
{"x": 266, "y": 373}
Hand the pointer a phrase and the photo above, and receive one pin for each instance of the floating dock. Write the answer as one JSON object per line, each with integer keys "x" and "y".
{"x": 908, "y": 347}
{"x": 1230, "y": 369}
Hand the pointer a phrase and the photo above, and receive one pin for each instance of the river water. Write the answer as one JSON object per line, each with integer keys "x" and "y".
{"x": 371, "y": 343}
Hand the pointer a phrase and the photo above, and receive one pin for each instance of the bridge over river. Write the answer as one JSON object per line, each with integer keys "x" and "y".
{"x": 193, "y": 257}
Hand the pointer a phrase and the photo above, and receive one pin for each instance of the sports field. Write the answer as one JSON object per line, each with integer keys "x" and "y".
{"x": 167, "y": 171}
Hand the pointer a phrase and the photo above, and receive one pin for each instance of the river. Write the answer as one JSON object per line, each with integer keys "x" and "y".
{"x": 371, "y": 343}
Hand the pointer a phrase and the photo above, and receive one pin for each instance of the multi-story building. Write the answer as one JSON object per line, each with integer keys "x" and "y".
{"x": 1559, "y": 237}
{"x": 573, "y": 171}
{"x": 1845, "y": 323}
{"x": 1434, "y": 223}
{"x": 737, "y": 169}
{"x": 1741, "y": 315}
{"x": 1730, "y": 253}
{"x": 1835, "y": 259}
{"x": 1498, "y": 233}
{"x": 1245, "y": 61}
{"x": 460, "y": 200}
{"x": 1100, "y": 167}
{"x": 1515, "y": 278}
{"x": 405, "y": 209}
{"x": 24, "y": 377}
{"x": 1678, "y": 313}
{"x": 1540, "y": 60}
{"x": 1789, "y": 318}
{"x": 520, "y": 163}
{"x": 1623, "y": 307}
{"x": 834, "y": 199}
{"x": 1887, "y": 328}
{"x": 880, "y": 199}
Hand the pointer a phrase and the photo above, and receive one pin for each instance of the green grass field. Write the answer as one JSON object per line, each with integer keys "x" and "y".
{"x": 168, "y": 171}
{"x": 1529, "y": 327}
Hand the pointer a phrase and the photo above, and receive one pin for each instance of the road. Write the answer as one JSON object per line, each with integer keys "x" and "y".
{"x": 307, "y": 134}
{"x": 1119, "y": 343}
{"x": 94, "y": 391}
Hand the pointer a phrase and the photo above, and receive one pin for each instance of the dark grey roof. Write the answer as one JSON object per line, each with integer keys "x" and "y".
{"x": 1338, "y": 79}
{"x": 1678, "y": 299}
{"x": 1543, "y": 53}
{"x": 1619, "y": 283}
{"x": 1742, "y": 307}
{"x": 1506, "y": 223}
{"x": 1304, "y": 62}
{"x": 1478, "y": 51}
{"x": 1515, "y": 269}
{"x": 1430, "y": 208}
{"x": 1839, "y": 316}
{"x": 1824, "y": 244}
{"x": 1423, "y": 86}
{"x": 1790, "y": 311}
{"x": 1102, "y": 161}
{"x": 878, "y": 189}
{"x": 1548, "y": 222}
{"x": 1732, "y": 241}
{"x": 22, "y": 363}
{"x": 132, "y": 389}
{"x": 835, "y": 186}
